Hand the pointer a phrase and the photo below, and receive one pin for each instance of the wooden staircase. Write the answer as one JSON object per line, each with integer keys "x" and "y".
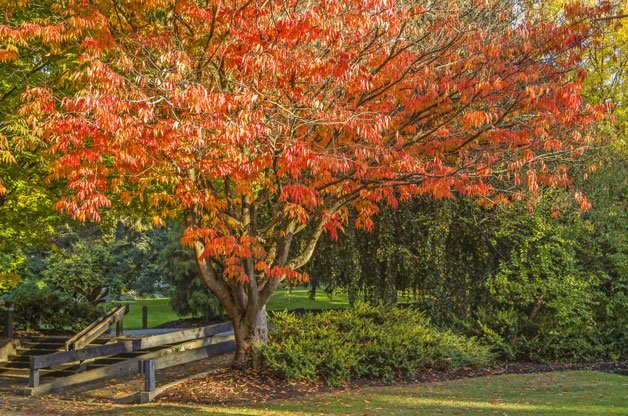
{"x": 17, "y": 365}
{"x": 55, "y": 363}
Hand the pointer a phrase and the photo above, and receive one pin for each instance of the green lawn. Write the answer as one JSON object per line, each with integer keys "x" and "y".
{"x": 565, "y": 393}
{"x": 159, "y": 310}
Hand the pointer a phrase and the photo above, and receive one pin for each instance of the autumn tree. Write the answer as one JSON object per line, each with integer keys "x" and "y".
{"x": 262, "y": 123}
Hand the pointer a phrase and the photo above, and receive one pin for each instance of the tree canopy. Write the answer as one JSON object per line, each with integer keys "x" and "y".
{"x": 259, "y": 121}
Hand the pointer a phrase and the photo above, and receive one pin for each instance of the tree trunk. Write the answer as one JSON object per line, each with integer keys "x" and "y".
{"x": 247, "y": 335}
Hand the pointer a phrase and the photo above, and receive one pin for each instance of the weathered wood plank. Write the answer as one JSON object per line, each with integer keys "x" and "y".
{"x": 144, "y": 317}
{"x": 8, "y": 319}
{"x": 33, "y": 378}
{"x": 96, "y": 328}
{"x": 194, "y": 351}
{"x": 119, "y": 328}
{"x": 113, "y": 370}
{"x": 184, "y": 335}
{"x": 185, "y": 346}
{"x": 58, "y": 358}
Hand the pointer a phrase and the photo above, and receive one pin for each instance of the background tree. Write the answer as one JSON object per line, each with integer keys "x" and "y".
{"x": 258, "y": 122}
{"x": 188, "y": 294}
{"x": 27, "y": 215}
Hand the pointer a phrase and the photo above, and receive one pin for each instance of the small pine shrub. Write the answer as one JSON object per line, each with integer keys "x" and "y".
{"x": 364, "y": 342}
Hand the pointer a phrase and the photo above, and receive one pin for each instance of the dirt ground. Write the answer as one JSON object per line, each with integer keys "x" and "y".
{"x": 100, "y": 396}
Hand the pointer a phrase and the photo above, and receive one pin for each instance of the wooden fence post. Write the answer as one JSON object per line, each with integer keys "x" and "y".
{"x": 8, "y": 319}
{"x": 144, "y": 317}
{"x": 119, "y": 328}
{"x": 33, "y": 376}
{"x": 149, "y": 375}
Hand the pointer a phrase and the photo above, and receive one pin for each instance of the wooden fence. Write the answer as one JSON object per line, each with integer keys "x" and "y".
{"x": 187, "y": 340}
{"x": 98, "y": 327}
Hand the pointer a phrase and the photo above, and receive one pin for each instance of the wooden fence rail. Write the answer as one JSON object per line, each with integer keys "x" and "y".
{"x": 98, "y": 327}
{"x": 39, "y": 362}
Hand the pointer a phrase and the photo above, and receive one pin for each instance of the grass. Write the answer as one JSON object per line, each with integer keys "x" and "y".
{"x": 159, "y": 310}
{"x": 298, "y": 298}
{"x": 563, "y": 393}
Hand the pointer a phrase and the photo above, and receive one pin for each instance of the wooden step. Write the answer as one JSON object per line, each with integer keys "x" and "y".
{"x": 20, "y": 358}
{"x": 57, "y": 373}
{"x": 47, "y": 338}
{"x": 24, "y": 372}
{"x": 41, "y": 345}
{"x": 35, "y": 351}
{"x": 15, "y": 364}
{"x": 14, "y": 372}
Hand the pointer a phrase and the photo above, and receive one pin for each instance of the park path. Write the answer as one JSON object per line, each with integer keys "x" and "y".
{"x": 101, "y": 396}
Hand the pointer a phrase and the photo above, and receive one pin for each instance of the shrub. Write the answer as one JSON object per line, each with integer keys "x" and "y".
{"x": 337, "y": 346}
{"x": 37, "y": 306}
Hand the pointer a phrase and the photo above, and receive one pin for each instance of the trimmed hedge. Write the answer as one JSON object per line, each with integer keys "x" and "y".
{"x": 364, "y": 342}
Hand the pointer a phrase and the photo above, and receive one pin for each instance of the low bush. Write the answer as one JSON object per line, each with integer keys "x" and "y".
{"x": 39, "y": 307}
{"x": 337, "y": 346}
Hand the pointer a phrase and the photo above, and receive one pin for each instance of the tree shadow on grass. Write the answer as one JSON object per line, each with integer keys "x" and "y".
{"x": 560, "y": 394}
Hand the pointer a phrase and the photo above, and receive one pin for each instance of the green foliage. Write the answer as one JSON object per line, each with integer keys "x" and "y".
{"x": 86, "y": 269}
{"x": 93, "y": 263}
{"x": 542, "y": 302}
{"x": 337, "y": 346}
{"x": 188, "y": 295}
{"x": 534, "y": 286}
{"x": 8, "y": 281}
{"x": 38, "y": 306}
{"x": 97, "y": 263}
{"x": 414, "y": 249}
{"x": 27, "y": 215}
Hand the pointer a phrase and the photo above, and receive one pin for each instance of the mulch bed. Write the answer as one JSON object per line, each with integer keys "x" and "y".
{"x": 229, "y": 386}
